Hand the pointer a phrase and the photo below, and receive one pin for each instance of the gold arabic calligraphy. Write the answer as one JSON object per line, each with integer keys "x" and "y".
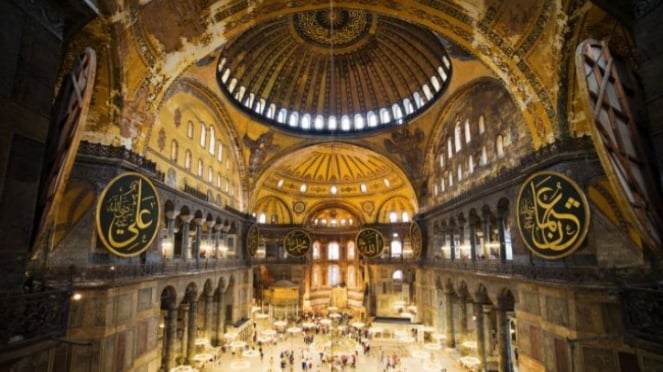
{"x": 128, "y": 215}
{"x": 297, "y": 243}
{"x": 552, "y": 215}
{"x": 370, "y": 242}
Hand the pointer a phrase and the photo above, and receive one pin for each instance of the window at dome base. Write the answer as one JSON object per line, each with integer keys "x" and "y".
{"x": 338, "y": 50}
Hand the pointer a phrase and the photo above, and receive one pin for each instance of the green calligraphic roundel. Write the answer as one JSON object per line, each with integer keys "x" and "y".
{"x": 553, "y": 215}
{"x": 252, "y": 240}
{"x": 297, "y": 243}
{"x": 370, "y": 242}
{"x": 128, "y": 214}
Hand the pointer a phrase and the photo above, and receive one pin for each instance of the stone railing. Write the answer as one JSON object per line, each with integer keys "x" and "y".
{"x": 32, "y": 317}
{"x": 120, "y": 153}
{"x": 95, "y": 274}
{"x": 196, "y": 193}
{"x": 549, "y": 273}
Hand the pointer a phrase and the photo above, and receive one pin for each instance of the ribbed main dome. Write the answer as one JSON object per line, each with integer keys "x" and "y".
{"x": 334, "y": 71}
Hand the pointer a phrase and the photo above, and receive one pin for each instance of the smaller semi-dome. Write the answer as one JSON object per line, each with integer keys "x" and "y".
{"x": 334, "y": 71}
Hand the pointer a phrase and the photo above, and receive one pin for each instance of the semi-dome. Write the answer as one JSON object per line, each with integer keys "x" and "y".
{"x": 334, "y": 71}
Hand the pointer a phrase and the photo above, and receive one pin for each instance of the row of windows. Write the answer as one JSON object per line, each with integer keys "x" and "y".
{"x": 455, "y": 145}
{"x": 334, "y": 276}
{"x": 394, "y": 217}
{"x": 447, "y": 179}
{"x": 221, "y": 182}
{"x": 213, "y": 146}
{"x": 397, "y": 112}
{"x": 333, "y": 189}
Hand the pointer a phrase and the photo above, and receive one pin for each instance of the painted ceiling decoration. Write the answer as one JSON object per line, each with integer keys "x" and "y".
{"x": 334, "y": 71}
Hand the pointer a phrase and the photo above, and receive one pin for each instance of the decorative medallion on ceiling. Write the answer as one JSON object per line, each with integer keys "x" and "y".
{"x": 334, "y": 71}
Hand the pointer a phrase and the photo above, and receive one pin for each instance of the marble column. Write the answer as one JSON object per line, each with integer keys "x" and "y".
{"x": 462, "y": 309}
{"x": 452, "y": 242}
{"x": 502, "y": 237}
{"x": 199, "y": 234}
{"x": 448, "y": 308}
{"x": 207, "y": 321}
{"x": 185, "y": 326}
{"x": 186, "y": 250}
{"x": 171, "y": 216}
{"x": 170, "y": 334}
{"x": 473, "y": 237}
{"x": 192, "y": 329}
{"x": 220, "y": 320}
{"x": 486, "y": 235}
{"x": 481, "y": 333}
{"x": 504, "y": 362}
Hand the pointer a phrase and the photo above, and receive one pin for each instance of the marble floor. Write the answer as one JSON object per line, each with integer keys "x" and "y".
{"x": 416, "y": 357}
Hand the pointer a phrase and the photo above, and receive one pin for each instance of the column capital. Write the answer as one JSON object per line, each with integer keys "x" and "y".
{"x": 186, "y": 218}
{"x": 199, "y": 221}
{"x": 171, "y": 215}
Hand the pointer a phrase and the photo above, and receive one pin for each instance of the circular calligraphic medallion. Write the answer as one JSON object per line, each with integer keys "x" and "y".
{"x": 128, "y": 213}
{"x": 297, "y": 243}
{"x": 370, "y": 242}
{"x": 416, "y": 239}
{"x": 252, "y": 237}
{"x": 553, "y": 215}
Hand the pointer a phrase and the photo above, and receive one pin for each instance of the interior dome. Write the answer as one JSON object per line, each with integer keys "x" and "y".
{"x": 334, "y": 71}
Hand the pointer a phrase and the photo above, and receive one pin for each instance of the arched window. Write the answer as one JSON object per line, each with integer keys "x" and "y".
{"x": 359, "y": 121}
{"x": 499, "y": 145}
{"x": 316, "y": 250}
{"x": 334, "y": 275}
{"x": 203, "y": 134}
{"x": 484, "y": 155}
{"x": 306, "y": 122}
{"x": 219, "y": 153}
{"x": 187, "y": 160}
{"x": 319, "y": 122}
{"x": 372, "y": 119}
{"x": 293, "y": 121}
{"x": 262, "y": 218}
{"x": 174, "y": 150}
{"x": 225, "y": 76}
{"x": 435, "y": 83}
{"x": 468, "y": 134}
{"x": 189, "y": 129}
{"x": 418, "y": 100}
{"x": 212, "y": 140}
{"x": 409, "y": 109}
{"x": 405, "y": 217}
{"x": 333, "y": 251}
{"x": 396, "y": 111}
{"x": 441, "y": 160}
{"x": 397, "y": 275}
{"x": 281, "y": 117}
{"x": 200, "y": 168}
{"x": 271, "y": 111}
{"x": 442, "y": 73}
{"x": 331, "y": 123}
{"x": 260, "y": 106}
{"x": 442, "y": 184}
{"x": 218, "y": 180}
{"x": 210, "y": 175}
{"x": 450, "y": 149}
{"x": 232, "y": 85}
{"x": 451, "y": 178}
{"x": 345, "y": 123}
{"x": 470, "y": 164}
{"x": 396, "y": 246}
{"x": 240, "y": 93}
{"x": 482, "y": 125}
{"x": 248, "y": 102}
{"x": 385, "y": 117}
{"x": 460, "y": 173}
{"x": 351, "y": 250}
{"x": 457, "y": 134}
{"x": 393, "y": 217}
{"x": 427, "y": 92}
